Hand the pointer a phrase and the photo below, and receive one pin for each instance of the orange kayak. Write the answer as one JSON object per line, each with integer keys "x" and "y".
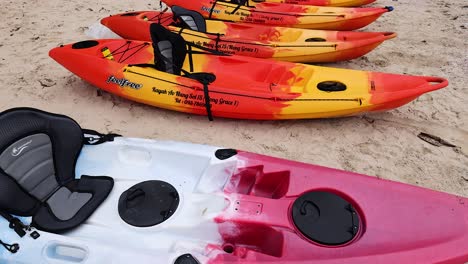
{"x": 199, "y": 81}
{"x": 285, "y": 15}
{"x": 279, "y": 43}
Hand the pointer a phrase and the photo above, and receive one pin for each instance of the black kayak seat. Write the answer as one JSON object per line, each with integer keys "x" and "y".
{"x": 192, "y": 19}
{"x": 169, "y": 49}
{"x": 38, "y": 154}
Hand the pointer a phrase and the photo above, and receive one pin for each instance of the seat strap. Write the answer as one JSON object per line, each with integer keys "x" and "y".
{"x": 207, "y": 101}
{"x": 161, "y": 13}
{"x": 206, "y": 93}
{"x": 218, "y": 38}
{"x": 92, "y": 137}
{"x": 203, "y": 81}
{"x": 235, "y": 9}
{"x": 15, "y": 224}
{"x": 212, "y": 8}
{"x": 13, "y": 248}
{"x": 239, "y": 4}
{"x": 190, "y": 53}
{"x": 204, "y": 78}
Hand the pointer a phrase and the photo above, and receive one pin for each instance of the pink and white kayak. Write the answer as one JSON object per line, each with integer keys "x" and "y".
{"x": 174, "y": 202}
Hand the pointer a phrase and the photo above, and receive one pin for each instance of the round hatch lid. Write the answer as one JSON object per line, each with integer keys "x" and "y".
{"x": 148, "y": 203}
{"x": 325, "y": 218}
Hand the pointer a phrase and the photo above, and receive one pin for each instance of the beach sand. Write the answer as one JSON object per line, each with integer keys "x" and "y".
{"x": 432, "y": 41}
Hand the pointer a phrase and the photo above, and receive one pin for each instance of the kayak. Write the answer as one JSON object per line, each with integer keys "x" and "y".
{"x": 344, "y": 3}
{"x": 279, "y": 43}
{"x": 285, "y": 15}
{"x": 180, "y": 203}
{"x": 169, "y": 76}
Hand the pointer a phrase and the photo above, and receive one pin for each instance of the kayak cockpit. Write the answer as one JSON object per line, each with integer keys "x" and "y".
{"x": 147, "y": 189}
{"x": 85, "y": 44}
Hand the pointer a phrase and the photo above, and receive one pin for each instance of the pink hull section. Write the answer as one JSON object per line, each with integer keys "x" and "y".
{"x": 399, "y": 223}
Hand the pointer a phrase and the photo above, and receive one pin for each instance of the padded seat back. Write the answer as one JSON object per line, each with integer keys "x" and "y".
{"x": 30, "y": 162}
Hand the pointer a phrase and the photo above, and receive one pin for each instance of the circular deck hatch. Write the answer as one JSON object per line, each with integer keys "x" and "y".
{"x": 325, "y": 218}
{"x": 148, "y": 203}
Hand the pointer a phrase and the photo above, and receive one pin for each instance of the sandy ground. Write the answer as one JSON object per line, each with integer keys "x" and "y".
{"x": 432, "y": 41}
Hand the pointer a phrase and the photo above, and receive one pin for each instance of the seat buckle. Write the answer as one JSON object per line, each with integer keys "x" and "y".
{"x": 18, "y": 227}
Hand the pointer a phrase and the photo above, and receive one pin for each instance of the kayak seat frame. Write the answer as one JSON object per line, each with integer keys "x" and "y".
{"x": 192, "y": 19}
{"x": 38, "y": 154}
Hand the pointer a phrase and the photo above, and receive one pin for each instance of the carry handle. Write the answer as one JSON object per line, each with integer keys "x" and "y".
{"x": 389, "y": 35}
{"x": 58, "y": 252}
{"x": 436, "y": 82}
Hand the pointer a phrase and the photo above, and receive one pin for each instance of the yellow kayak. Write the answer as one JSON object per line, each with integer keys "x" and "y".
{"x": 168, "y": 75}
{"x": 279, "y": 43}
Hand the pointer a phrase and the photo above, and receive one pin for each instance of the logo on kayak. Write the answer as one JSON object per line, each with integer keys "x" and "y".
{"x": 210, "y": 10}
{"x": 124, "y": 82}
{"x": 16, "y": 151}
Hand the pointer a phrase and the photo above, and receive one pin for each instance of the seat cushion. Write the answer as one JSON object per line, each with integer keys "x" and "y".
{"x": 48, "y": 217}
{"x": 64, "y": 204}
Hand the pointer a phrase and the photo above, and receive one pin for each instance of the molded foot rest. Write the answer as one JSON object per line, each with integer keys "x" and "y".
{"x": 243, "y": 180}
{"x": 272, "y": 185}
{"x": 253, "y": 181}
{"x": 260, "y": 238}
{"x": 66, "y": 253}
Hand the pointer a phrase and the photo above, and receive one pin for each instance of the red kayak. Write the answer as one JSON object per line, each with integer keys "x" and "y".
{"x": 148, "y": 201}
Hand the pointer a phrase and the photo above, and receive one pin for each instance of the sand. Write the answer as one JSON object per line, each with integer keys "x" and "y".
{"x": 432, "y": 41}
